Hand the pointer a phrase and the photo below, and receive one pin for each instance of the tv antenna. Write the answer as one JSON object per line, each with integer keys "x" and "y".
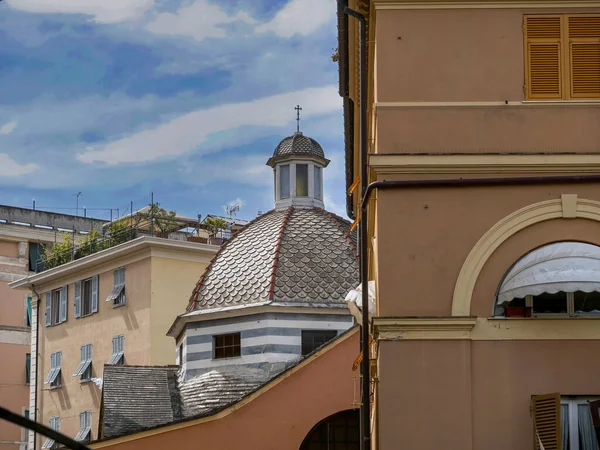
{"x": 231, "y": 210}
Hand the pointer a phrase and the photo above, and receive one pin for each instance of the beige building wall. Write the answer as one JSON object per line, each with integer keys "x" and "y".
{"x": 447, "y": 101}
{"x": 159, "y": 277}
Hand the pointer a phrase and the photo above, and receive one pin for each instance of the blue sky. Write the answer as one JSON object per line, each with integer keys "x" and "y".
{"x": 184, "y": 98}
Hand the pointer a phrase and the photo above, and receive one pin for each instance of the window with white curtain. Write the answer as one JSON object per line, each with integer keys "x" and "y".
{"x": 576, "y": 424}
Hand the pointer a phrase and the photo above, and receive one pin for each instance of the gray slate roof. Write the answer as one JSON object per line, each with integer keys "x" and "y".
{"x": 298, "y": 144}
{"x": 302, "y": 256}
{"x": 136, "y": 398}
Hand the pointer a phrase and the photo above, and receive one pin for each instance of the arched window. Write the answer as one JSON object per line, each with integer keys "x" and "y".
{"x": 340, "y": 431}
{"x": 560, "y": 279}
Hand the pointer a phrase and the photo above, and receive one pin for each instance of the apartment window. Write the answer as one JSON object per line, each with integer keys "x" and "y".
{"x": 28, "y": 311}
{"x": 36, "y": 251}
{"x": 55, "y": 425}
{"x": 227, "y": 345}
{"x": 313, "y": 339}
{"x": 86, "y": 297}
{"x": 54, "y": 376}
{"x": 318, "y": 173}
{"x": 117, "y": 295}
{"x": 118, "y": 350}
{"x": 56, "y": 306}
{"x": 562, "y": 55}
{"x": 564, "y": 422}
{"x": 551, "y": 281}
{"x": 284, "y": 181}
{"x": 301, "y": 180}
{"x": 85, "y": 427}
{"x": 27, "y": 368}
{"x": 84, "y": 369}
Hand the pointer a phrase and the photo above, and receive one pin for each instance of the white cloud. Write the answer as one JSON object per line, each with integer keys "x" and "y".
{"x": 188, "y": 132}
{"x": 300, "y": 17}
{"x": 10, "y": 168}
{"x": 199, "y": 20}
{"x": 8, "y": 128}
{"x": 103, "y": 11}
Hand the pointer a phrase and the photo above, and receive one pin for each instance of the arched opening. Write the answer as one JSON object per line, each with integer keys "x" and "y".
{"x": 340, "y": 431}
{"x": 558, "y": 279}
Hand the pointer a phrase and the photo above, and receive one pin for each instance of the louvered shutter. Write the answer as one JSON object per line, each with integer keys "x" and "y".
{"x": 546, "y": 421}
{"x": 95, "y": 294}
{"x": 63, "y": 304}
{"x": 584, "y": 55}
{"x": 543, "y": 57}
{"x": 48, "y": 308}
{"x": 78, "y": 299}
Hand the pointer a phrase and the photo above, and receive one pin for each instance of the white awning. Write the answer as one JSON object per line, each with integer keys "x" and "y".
{"x": 559, "y": 267}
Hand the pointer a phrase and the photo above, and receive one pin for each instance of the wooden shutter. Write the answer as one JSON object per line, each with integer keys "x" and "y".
{"x": 95, "y": 294}
{"x": 48, "y": 308}
{"x": 63, "y": 305}
{"x": 584, "y": 56}
{"x": 543, "y": 65}
{"x": 545, "y": 410}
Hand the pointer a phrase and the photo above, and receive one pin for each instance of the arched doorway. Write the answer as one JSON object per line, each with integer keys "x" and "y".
{"x": 341, "y": 431}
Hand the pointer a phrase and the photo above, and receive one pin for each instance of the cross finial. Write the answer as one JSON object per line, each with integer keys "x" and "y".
{"x": 298, "y": 109}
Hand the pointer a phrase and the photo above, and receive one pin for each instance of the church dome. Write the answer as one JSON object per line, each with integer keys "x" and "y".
{"x": 293, "y": 257}
{"x": 298, "y": 144}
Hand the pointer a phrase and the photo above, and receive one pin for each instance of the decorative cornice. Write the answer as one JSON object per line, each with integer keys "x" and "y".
{"x": 387, "y": 164}
{"x": 426, "y": 328}
{"x": 491, "y": 104}
{"x": 482, "y": 4}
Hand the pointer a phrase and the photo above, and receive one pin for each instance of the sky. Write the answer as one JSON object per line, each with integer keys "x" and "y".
{"x": 185, "y": 99}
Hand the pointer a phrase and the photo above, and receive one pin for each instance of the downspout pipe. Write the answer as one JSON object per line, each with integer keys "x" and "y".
{"x": 37, "y": 352}
{"x": 365, "y": 410}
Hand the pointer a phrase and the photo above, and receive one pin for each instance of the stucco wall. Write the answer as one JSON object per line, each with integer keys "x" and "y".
{"x": 428, "y": 233}
{"x": 132, "y": 320}
{"x": 14, "y": 393}
{"x": 9, "y": 249}
{"x": 472, "y": 395}
{"x": 467, "y": 55}
{"x": 172, "y": 284}
{"x": 279, "y": 419}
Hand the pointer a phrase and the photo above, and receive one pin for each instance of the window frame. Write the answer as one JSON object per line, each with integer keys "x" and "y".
{"x": 529, "y": 299}
{"x": 28, "y": 368}
{"x": 117, "y": 294}
{"x": 573, "y": 402}
{"x": 55, "y": 425}
{"x": 565, "y": 60}
{"x": 288, "y": 168}
{"x": 84, "y": 369}
{"x": 222, "y": 336}
{"x": 301, "y": 179}
{"x": 117, "y": 357}
{"x": 54, "y": 377}
{"x": 304, "y": 335}
{"x": 85, "y": 427}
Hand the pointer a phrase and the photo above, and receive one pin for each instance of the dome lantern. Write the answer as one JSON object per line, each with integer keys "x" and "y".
{"x": 298, "y": 162}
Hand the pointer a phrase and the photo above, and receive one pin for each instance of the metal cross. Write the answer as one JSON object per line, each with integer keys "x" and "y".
{"x": 298, "y": 109}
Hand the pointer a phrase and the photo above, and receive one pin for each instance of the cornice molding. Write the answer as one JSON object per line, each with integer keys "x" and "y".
{"x": 441, "y": 328}
{"x": 393, "y": 164}
{"x": 491, "y": 104}
{"x": 482, "y": 4}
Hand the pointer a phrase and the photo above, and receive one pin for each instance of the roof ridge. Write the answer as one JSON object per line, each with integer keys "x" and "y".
{"x": 284, "y": 222}
{"x": 193, "y": 302}
{"x": 345, "y": 232}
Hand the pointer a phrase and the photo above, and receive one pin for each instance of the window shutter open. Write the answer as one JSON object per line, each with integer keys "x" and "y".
{"x": 78, "y": 299}
{"x": 584, "y": 54}
{"x": 543, "y": 68}
{"x": 95, "y": 294}
{"x": 48, "y": 308}
{"x": 63, "y": 304}
{"x": 546, "y": 422}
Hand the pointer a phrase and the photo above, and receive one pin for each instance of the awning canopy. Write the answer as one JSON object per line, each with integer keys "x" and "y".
{"x": 559, "y": 267}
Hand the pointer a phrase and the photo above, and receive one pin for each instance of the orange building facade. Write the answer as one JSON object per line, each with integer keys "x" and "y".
{"x": 487, "y": 303}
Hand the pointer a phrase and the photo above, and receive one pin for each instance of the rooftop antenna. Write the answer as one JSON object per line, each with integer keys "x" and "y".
{"x": 298, "y": 109}
{"x": 231, "y": 210}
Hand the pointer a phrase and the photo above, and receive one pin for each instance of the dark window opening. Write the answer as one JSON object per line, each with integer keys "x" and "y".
{"x": 55, "y": 307}
{"x": 227, "y": 345}
{"x": 313, "y": 339}
{"x": 587, "y": 302}
{"x": 338, "y": 432}
{"x": 27, "y": 368}
{"x": 35, "y": 253}
{"x": 550, "y": 303}
{"x": 86, "y": 296}
{"x": 301, "y": 180}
